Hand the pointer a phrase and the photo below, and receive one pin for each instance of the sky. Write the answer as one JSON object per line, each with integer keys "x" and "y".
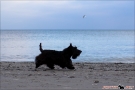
{"x": 68, "y": 14}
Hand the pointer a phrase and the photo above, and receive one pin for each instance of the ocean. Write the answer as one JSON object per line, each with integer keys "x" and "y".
{"x": 98, "y": 46}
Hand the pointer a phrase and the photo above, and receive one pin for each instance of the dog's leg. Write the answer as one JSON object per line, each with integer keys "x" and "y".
{"x": 37, "y": 65}
{"x": 38, "y": 61}
{"x": 50, "y": 65}
{"x": 62, "y": 66}
{"x": 70, "y": 65}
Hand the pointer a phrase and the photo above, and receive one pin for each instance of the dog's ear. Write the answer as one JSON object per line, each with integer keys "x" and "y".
{"x": 71, "y": 44}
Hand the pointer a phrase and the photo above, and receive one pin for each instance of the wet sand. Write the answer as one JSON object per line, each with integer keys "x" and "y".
{"x": 22, "y": 75}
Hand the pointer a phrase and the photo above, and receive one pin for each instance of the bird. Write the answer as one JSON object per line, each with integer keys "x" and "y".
{"x": 84, "y": 16}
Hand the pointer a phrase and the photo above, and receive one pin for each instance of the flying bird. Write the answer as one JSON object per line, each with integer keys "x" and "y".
{"x": 84, "y": 16}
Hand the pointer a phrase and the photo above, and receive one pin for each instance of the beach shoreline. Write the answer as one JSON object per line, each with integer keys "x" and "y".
{"x": 22, "y": 75}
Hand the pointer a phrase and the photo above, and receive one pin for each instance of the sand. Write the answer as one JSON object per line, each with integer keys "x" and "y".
{"x": 22, "y": 75}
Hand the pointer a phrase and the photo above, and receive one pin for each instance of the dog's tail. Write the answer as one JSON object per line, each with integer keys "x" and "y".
{"x": 40, "y": 48}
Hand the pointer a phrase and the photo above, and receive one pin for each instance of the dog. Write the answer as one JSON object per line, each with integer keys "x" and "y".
{"x": 60, "y": 58}
{"x": 121, "y": 86}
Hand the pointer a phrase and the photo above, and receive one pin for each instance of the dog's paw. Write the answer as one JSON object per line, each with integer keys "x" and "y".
{"x": 71, "y": 68}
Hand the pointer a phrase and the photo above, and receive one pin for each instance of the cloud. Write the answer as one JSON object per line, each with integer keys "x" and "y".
{"x": 55, "y": 14}
{"x": 31, "y": 8}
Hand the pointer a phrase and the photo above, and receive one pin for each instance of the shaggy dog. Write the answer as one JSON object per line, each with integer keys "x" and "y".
{"x": 121, "y": 86}
{"x": 60, "y": 58}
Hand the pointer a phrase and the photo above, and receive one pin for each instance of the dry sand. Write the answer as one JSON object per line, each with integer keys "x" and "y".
{"x": 21, "y": 75}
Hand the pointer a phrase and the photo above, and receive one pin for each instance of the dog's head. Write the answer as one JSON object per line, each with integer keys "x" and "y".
{"x": 72, "y": 51}
{"x": 75, "y": 52}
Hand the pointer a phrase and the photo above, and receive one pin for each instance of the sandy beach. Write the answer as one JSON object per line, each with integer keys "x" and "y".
{"x": 22, "y": 75}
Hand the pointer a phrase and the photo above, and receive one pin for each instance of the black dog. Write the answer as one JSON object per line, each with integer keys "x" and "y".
{"x": 121, "y": 87}
{"x": 60, "y": 58}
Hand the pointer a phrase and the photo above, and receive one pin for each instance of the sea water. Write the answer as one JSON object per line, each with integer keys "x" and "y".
{"x": 97, "y": 45}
